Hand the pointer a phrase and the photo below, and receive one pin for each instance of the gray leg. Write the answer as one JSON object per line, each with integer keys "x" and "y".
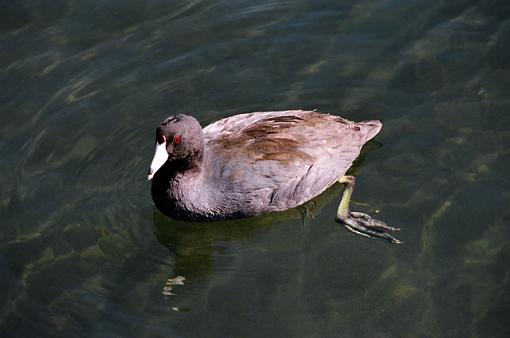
{"x": 358, "y": 222}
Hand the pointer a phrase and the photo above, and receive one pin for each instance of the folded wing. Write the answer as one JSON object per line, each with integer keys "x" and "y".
{"x": 282, "y": 159}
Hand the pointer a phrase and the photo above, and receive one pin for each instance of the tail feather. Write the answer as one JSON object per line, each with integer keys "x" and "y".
{"x": 372, "y": 128}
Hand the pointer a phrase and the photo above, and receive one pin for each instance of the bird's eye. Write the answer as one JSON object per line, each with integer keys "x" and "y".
{"x": 177, "y": 139}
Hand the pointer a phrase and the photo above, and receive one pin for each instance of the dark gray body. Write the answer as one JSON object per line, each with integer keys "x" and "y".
{"x": 259, "y": 163}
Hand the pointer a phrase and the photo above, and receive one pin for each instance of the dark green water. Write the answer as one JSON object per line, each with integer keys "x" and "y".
{"x": 83, "y": 253}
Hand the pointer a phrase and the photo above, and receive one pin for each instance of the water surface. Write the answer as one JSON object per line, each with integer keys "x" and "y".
{"x": 83, "y": 84}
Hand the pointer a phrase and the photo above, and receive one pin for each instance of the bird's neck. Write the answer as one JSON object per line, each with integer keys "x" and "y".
{"x": 178, "y": 186}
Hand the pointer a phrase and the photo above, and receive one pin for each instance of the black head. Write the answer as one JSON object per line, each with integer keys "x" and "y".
{"x": 179, "y": 139}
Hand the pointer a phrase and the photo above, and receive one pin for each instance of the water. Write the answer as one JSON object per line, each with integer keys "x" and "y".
{"x": 83, "y": 253}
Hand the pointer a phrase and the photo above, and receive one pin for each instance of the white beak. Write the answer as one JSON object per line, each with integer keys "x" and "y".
{"x": 160, "y": 157}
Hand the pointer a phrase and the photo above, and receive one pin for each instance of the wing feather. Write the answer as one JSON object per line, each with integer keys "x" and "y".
{"x": 285, "y": 157}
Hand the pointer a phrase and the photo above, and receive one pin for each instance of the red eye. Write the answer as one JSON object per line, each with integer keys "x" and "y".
{"x": 177, "y": 139}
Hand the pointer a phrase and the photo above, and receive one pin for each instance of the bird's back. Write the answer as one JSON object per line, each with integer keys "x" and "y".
{"x": 272, "y": 161}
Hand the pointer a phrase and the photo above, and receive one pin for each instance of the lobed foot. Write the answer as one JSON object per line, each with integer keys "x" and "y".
{"x": 358, "y": 222}
{"x": 362, "y": 224}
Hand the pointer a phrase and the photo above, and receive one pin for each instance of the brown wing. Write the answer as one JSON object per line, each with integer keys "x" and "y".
{"x": 285, "y": 157}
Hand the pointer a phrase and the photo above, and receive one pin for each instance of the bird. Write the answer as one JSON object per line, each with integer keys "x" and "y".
{"x": 255, "y": 163}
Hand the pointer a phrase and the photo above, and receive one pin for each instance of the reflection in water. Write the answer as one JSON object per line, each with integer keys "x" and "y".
{"x": 195, "y": 245}
{"x": 83, "y": 82}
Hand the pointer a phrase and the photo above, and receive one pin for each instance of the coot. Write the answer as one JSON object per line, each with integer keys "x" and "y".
{"x": 256, "y": 163}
